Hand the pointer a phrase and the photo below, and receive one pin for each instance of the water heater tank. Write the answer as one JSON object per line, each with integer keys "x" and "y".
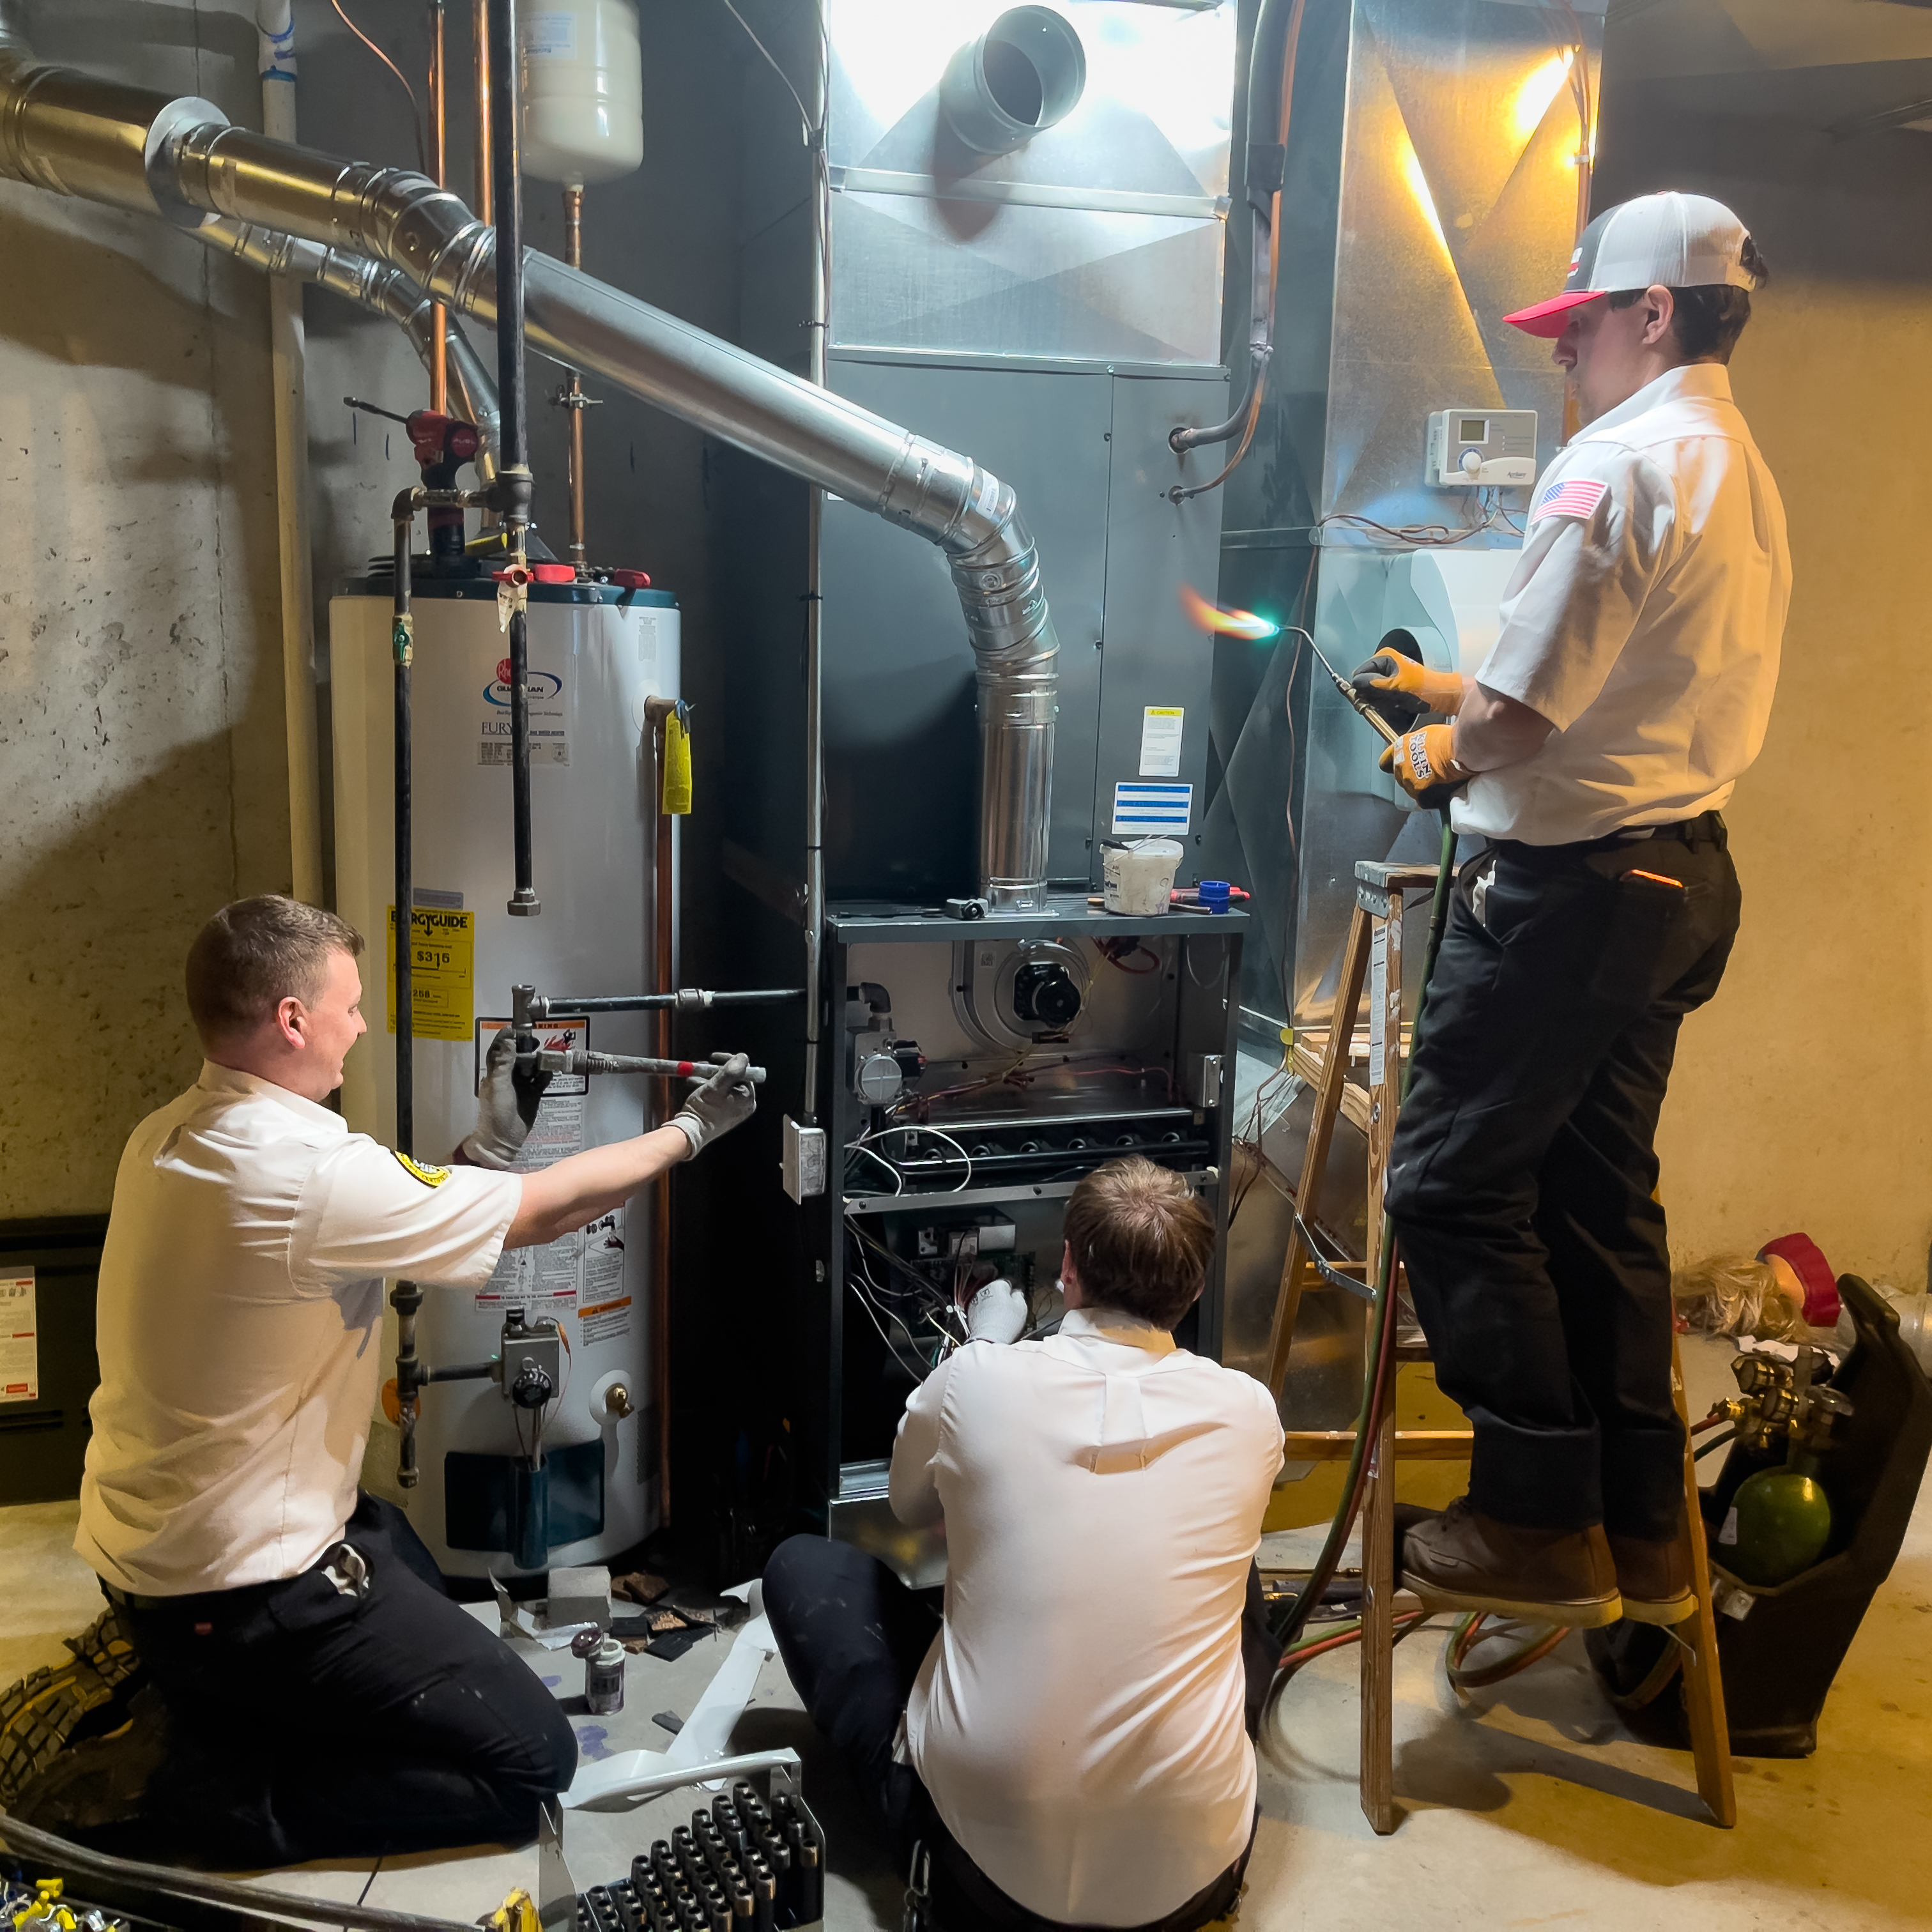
{"x": 582, "y": 73}
{"x": 596, "y": 654}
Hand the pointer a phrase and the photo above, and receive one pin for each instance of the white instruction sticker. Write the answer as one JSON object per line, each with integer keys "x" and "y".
{"x": 1148, "y": 811}
{"x": 20, "y": 1339}
{"x": 1728, "y": 1533}
{"x": 549, "y": 35}
{"x": 1160, "y": 741}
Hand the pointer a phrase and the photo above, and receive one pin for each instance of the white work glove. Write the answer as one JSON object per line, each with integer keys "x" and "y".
{"x": 727, "y": 1100}
{"x": 506, "y": 1106}
{"x": 997, "y": 1313}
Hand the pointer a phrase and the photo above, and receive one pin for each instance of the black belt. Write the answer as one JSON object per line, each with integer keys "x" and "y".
{"x": 346, "y": 1567}
{"x": 1708, "y": 828}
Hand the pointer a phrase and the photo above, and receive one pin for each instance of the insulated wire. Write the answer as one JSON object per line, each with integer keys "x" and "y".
{"x": 804, "y": 118}
{"x": 1178, "y": 495}
{"x": 873, "y": 1311}
{"x": 860, "y": 1147}
{"x": 416, "y": 111}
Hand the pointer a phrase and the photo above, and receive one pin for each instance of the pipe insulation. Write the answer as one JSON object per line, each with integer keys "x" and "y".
{"x": 127, "y": 147}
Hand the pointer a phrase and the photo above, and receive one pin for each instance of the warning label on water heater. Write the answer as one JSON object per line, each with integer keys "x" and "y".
{"x": 20, "y": 1339}
{"x": 550, "y": 741}
{"x": 577, "y": 1268}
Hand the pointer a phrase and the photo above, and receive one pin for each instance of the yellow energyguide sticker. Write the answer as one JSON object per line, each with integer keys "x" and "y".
{"x": 442, "y": 966}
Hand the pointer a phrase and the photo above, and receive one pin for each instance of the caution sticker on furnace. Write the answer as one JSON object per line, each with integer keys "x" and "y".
{"x": 549, "y": 740}
{"x": 1161, "y": 729}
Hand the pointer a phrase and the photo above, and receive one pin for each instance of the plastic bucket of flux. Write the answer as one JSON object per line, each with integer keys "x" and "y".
{"x": 1138, "y": 879}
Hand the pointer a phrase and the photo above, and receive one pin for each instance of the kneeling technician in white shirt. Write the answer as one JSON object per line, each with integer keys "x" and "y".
{"x": 309, "y": 1690}
{"x": 1070, "y": 1744}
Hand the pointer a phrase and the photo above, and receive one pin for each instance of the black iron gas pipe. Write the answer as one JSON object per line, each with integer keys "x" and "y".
{"x": 513, "y": 473}
{"x": 405, "y": 1297}
{"x": 402, "y": 640}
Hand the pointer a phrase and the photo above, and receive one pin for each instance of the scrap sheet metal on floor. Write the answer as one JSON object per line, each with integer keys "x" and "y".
{"x": 1526, "y": 1804}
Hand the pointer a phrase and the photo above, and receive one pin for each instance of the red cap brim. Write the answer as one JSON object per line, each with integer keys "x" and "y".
{"x": 1547, "y": 318}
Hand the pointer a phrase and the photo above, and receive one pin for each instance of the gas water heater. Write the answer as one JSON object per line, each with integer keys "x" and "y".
{"x": 597, "y": 654}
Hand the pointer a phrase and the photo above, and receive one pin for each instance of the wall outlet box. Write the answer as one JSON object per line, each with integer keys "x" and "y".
{"x": 1480, "y": 448}
{"x": 803, "y": 1163}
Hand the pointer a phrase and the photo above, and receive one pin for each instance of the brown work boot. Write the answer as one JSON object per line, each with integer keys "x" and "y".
{"x": 1655, "y": 1578}
{"x": 1465, "y": 1561}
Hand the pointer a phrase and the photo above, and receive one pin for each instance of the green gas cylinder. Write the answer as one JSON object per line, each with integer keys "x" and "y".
{"x": 1781, "y": 1520}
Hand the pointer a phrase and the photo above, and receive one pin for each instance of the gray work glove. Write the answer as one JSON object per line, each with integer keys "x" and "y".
{"x": 506, "y": 1106}
{"x": 997, "y": 1313}
{"x": 727, "y": 1100}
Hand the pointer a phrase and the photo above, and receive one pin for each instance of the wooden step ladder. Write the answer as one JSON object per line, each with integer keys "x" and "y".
{"x": 1373, "y": 952}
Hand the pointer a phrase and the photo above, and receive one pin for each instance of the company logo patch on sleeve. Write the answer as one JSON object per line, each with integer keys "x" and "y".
{"x": 429, "y": 1176}
{"x": 1577, "y": 498}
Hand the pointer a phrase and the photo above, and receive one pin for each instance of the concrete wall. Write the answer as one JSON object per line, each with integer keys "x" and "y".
{"x": 142, "y": 765}
{"x": 1801, "y": 1097}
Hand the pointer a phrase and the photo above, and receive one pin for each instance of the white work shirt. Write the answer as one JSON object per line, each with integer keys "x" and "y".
{"x": 1643, "y": 620}
{"x": 240, "y": 1329}
{"x": 1079, "y": 1720}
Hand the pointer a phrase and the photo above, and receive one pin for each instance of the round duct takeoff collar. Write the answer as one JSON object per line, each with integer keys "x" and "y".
{"x": 1021, "y": 75}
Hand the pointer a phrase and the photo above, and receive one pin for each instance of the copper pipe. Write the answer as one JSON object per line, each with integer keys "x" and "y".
{"x": 572, "y": 397}
{"x": 439, "y": 131}
{"x": 480, "y": 200}
{"x": 663, "y": 907}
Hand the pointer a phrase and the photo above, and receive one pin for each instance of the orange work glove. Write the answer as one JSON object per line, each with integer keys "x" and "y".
{"x": 1402, "y": 690}
{"x": 1424, "y": 764}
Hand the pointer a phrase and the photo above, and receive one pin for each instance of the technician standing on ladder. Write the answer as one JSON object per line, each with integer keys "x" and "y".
{"x": 318, "y": 1695}
{"x": 1628, "y": 688}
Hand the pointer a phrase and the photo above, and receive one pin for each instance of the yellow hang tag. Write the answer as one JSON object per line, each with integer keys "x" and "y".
{"x": 677, "y": 768}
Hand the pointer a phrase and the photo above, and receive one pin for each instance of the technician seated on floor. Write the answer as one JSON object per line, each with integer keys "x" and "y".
{"x": 313, "y": 1692}
{"x": 1068, "y": 1744}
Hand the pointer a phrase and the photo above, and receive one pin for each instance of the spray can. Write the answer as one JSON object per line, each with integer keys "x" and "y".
{"x": 604, "y": 1678}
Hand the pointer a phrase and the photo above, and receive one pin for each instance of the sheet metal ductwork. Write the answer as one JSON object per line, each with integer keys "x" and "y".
{"x": 127, "y": 148}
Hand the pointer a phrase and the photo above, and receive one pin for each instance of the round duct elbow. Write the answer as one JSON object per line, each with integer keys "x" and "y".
{"x": 1025, "y": 73}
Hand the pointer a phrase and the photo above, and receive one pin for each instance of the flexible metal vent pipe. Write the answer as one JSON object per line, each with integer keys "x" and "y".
{"x": 74, "y": 135}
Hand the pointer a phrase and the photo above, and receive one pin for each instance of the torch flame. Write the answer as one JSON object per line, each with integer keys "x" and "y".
{"x": 1212, "y": 617}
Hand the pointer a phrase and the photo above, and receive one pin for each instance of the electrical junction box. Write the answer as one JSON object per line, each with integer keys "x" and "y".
{"x": 802, "y": 1161}
{"x": 1480, "y": 448}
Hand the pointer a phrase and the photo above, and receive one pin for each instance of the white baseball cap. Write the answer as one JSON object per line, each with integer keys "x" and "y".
{"x": 1671, "y": 240}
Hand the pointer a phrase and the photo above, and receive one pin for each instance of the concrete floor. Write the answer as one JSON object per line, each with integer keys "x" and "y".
{"x": 1526, "y": 1805}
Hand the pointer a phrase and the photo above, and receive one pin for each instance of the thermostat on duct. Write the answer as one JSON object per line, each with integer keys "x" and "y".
{"x": 1483, "y": 447}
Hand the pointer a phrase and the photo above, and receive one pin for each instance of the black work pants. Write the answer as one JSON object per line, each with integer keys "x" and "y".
{"x": 852, "y": 1637}
{"x": 1522, "y": 1178}
{"x": 305, "y": 1723}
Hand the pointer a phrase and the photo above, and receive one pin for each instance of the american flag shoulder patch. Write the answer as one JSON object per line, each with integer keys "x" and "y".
{"x": 1578, "y": 497}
